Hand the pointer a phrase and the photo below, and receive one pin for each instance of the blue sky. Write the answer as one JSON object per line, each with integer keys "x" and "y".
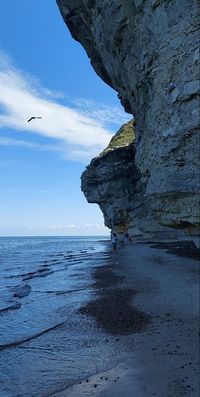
{"x": 44, "y": 72}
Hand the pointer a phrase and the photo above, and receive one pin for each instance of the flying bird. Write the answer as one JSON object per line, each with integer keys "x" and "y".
{"x": 32, "y": 118}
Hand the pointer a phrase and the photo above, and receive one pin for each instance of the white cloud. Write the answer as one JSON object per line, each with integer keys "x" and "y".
{"x": 71, "y": 226}
{"x": 57, "y": 227}
{"x": 78, "y": 133}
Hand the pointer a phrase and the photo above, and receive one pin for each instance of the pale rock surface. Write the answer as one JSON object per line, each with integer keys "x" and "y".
{"x": 148, "y": 52}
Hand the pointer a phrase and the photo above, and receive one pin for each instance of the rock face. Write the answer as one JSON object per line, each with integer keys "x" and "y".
{"x": 148, "y": 52}
{"x": 113, "y": 181}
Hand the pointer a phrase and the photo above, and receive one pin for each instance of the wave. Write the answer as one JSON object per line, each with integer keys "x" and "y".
{"x": 13, "y": 306}
{"x": 21, "y": 341}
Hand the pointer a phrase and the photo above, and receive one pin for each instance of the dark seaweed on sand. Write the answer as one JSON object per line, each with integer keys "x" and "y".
{"x": 114, "y": 313}
{"x": 112, "y": 309}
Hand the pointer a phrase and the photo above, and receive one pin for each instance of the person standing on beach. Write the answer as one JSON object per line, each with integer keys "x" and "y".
{"x": 114, "y": 242}
{"x": 126, "y": 238}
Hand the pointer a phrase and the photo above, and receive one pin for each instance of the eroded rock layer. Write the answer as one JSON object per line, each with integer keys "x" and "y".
{"x": 113, "y": 181}
{"x": 148, "y": 52}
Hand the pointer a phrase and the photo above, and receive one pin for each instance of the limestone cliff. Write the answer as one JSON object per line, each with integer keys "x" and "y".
{"x": 114, "y": 183}
{"x": 148, "y": 52}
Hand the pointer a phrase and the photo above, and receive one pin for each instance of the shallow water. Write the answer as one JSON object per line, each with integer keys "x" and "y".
{"x": 45, "y": 344}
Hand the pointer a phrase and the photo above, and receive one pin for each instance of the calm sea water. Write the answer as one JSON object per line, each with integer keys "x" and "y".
{"x": 43, "y": 341}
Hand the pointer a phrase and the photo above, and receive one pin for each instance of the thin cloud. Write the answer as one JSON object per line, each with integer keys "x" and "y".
{"x": 78, "y": 132}
{"x": 4, "y": 141}
{"x": 67, "y": 152}
{"x": 71, "y": 226}
{"x": 105, "y": 114}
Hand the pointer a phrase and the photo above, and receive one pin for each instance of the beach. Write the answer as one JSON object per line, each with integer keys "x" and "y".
{"x": 163, "y": 358}
{"x": 124, "y": 324}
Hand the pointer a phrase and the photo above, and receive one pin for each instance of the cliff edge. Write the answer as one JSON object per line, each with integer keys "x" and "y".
{"x": 148, "y": 52}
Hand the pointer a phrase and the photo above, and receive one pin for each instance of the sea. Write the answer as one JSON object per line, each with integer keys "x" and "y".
{"x": 45, "y": 344}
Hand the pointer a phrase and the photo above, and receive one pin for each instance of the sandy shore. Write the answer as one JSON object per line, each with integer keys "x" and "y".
{"x": 148, "y": 293}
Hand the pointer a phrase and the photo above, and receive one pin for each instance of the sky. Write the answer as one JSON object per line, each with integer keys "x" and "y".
{"x": 44, "y": 72}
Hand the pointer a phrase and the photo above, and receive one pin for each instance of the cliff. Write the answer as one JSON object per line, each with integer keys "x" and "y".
{"x": 113, "y": 181}
{"x": 148, "y": 52}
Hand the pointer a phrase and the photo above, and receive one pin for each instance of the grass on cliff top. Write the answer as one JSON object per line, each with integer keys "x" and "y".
{"x": 123, "y": 137}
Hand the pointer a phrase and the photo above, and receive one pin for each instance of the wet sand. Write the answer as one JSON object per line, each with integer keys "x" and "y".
{"x": 147, "y": 299}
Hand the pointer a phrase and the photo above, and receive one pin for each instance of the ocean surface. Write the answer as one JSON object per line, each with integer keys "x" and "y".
{"x": 45, "y": 344}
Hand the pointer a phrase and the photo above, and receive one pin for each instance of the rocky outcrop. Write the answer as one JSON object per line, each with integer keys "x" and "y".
{"x": 148, "y": 52}
{"x": 113, "y": 181}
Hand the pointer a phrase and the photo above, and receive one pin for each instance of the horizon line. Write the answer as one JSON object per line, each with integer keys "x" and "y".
{"x": 46, "y": 235}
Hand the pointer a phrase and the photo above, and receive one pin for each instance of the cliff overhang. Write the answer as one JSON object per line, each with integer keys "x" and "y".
{"x": 148, "y": 52}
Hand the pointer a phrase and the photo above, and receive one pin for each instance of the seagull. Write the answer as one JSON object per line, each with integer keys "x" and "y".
{"x": 32, "y": 118}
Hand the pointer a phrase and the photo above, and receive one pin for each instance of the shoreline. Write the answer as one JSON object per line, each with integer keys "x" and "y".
{"x": 116, "y": 324}
{"x": 162, "y": 285}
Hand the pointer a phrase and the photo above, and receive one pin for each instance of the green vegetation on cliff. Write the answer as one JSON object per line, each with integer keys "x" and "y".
{"x": 124, "y": 137}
